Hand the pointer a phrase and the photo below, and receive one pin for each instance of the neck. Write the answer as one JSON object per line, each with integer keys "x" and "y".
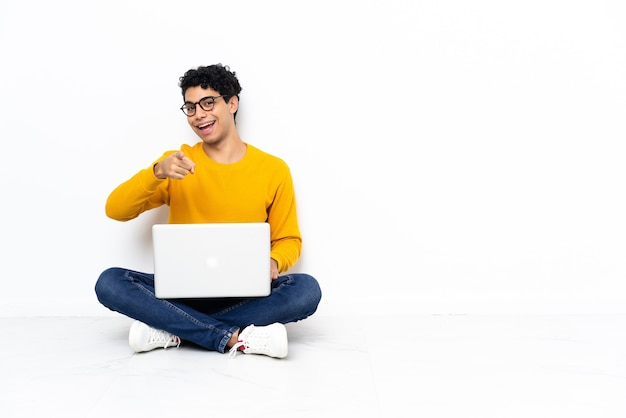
{"x": 226, "y": 152}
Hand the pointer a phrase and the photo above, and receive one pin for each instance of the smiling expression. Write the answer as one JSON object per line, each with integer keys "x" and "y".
{"x": 216, "y": 125}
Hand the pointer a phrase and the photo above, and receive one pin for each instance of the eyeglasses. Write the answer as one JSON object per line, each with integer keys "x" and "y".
{"x": 206, "y": 103}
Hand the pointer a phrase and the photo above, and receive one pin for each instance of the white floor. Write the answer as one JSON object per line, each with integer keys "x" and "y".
{"x": 420, "y": 366}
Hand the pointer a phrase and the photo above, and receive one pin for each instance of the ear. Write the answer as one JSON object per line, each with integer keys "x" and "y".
{"x": 233, "y": 105}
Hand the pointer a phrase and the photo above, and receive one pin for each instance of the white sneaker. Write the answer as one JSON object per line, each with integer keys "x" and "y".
{"x": 144, "y": 338}
{"x": 270, "y": 340}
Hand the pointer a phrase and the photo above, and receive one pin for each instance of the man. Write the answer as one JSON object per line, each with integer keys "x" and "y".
{"x": 219, "y": 179}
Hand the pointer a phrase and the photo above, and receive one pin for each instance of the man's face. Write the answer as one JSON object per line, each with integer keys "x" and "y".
{"x": 215, "y": 124}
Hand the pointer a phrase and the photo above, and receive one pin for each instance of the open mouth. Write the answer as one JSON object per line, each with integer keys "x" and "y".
{"x": 206, "y": 126}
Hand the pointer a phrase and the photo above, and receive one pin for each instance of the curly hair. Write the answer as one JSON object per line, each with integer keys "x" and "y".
{"x": 217, "y": 77}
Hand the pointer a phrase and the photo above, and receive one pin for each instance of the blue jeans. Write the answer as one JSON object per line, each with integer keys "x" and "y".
{"x": 209, "y": 323}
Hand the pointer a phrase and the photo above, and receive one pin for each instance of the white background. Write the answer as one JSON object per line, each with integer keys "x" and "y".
{"x": 448, "y": 156}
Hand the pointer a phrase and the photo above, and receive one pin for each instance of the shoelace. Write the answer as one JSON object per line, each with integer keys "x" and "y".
{"x": 234, "y": 349}
{"x": 158, "y": 336}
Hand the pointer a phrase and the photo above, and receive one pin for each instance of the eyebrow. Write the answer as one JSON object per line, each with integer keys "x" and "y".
{"x": 201, "y": 99}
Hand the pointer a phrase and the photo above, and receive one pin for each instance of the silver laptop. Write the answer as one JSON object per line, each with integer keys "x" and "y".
{"x": 211, "y": 260}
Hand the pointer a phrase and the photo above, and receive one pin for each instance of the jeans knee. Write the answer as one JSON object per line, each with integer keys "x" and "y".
{"x": 106, "y": 284}
{"x": 311, "y": 292}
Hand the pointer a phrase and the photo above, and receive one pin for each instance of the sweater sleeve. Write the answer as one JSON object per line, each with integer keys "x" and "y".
{"x": 286, "y": 238}
{"x": 142, "y": 192}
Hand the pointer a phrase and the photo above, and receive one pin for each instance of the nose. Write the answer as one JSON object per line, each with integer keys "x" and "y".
{"x": 200, "y": 112}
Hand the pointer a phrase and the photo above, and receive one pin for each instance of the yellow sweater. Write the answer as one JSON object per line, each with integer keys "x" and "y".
{"x": 258, "y": 188}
